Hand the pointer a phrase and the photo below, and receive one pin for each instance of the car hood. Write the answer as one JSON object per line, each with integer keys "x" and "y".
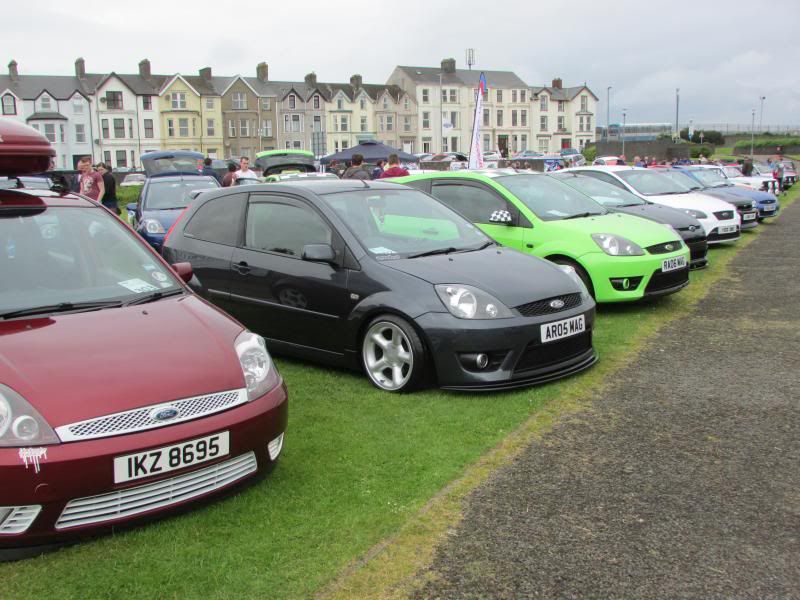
{"x": 510, "y": 276}
{"x": 165, "y": 217}
{"x": 691, "y": 200}
{"x": 735, "y": 199}
{"x": 640, "y": 231}
{"x": 747, "y": 192}
{"x": 83, "y": 365}
{"x": 663, "y": 214}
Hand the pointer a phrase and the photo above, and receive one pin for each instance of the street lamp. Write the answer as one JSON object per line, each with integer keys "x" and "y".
{"x": 761, "y": 114}
{"x": 608, "y": 110}
{"x": 677, "y": 105}
{"x": 752, "y": 133}
{"x": 689, "y": 130}
{"x": 624, "y": 114}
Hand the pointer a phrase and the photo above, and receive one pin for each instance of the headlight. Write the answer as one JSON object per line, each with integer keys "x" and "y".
{"x": 616, "y": 245}
{"x": 260, "y": 374}
{"x": 697, "y": 214}
{"x": 754, "y": 204}
{"x": 152, "y": 226}
{"x": 20, "y": 423}
{"x": 467, "y": 302}
{"x": 585, "y": 295}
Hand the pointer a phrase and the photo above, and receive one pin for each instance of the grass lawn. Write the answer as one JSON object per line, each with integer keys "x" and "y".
{"x": 357, "y": 466}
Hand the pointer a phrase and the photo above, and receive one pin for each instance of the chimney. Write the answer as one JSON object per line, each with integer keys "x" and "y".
{"x": 80, "y": 68}
{"x": 356, "y": 81}
{"x": 311, "y": 79}
{"x": 449, "y": 65}
{"x": 205, "y": 73}
{"x": 557, "y": 83}
{"x": 144, "y": 69}
{"x": 262, "y": 72}
{"x": 12, "y": 70}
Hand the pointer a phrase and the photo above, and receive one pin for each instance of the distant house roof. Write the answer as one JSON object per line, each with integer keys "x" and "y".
{"x": 374, "y": 91}
{"x": 498, "y": 79}
{"x": 568, "y": 93}
{"x": 137, "y": 84}
{"x": 60, "y": 87}
{"x": 46, "y": 116}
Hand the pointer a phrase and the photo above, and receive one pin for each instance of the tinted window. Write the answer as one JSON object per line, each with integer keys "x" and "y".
{"x": 604, "y": 193}
{"x": 476, "y": 204}
{"x": 604, "y": 177}
{"x": 218, "y": 220}
{"x": 284, "y": 228}
{"x": 174, "y": 194}
{"x": 549, "y": 199}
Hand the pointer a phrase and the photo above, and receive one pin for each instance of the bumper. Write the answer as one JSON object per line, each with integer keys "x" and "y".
{"x": 156, "y": 240}
{"x": 698, "y": 250}
{"x": 517, "y": 356}
{"x": 749, "y": 218}
{"x": 80, "y": 470}
{"x": 765, "y": 210}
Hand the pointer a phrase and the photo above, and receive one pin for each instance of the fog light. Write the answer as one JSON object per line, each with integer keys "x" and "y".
{"x": 17, "y": 519}
{"x": 625, "y": 284}
{"x": 482, "y": 361}
{"x": 274, "y": 447}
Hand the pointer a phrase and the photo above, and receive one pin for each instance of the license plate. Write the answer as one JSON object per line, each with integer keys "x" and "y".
{"x": 748, "y": 216}
{"x": 170, "y": 458}
{"x": 727, "y": 229}
{"x": 673, "y": 264}
{"x": 561, "y": 329}
{"x": 769, "y": 207}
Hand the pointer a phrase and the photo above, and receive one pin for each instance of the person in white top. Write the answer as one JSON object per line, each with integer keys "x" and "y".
{"x": 244, "y": 171}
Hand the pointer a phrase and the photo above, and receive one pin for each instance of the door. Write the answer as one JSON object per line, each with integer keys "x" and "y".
{"x": 275, "y": 291}
{"x": 566, "y": 143}
{"x": 502, "y": 145}
{"x": 477, "y": 202}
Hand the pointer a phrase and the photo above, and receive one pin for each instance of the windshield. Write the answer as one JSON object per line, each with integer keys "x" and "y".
{"x": 550, "y": 200}
{"x": 70, "y": 255}
{"x": 682, "y": 178}
{"x": 711, "y": 177}
{"x": 174, "y": 193}
{"x": 393, "y": 224}
{"x": 733, "y": 172}
{"x": 31, "y": 183}
{"x": 600, "y": 191}
{"x": 650, "y": 183}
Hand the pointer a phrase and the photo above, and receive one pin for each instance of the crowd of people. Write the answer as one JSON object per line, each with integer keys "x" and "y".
{"x": 358, "y": 169}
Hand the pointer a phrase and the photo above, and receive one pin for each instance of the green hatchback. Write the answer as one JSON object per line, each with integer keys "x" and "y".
{"x": 619, "y": 257}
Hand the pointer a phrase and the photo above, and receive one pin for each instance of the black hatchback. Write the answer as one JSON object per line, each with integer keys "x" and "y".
{"x": 382, "y": 277}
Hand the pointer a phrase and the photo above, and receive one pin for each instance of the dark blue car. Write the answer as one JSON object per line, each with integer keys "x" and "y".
{"x": 713, "y": 176}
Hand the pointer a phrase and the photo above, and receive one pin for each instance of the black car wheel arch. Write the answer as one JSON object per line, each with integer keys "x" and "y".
{"x": 587, "y": 280}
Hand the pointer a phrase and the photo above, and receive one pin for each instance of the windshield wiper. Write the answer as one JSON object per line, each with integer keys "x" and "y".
{"x": 435, "y": 251}
{"x": 152, "y": 297}
{"x": 582, "y": 215}
{"x": 481, "y": 247}
{"x": 61, "y": 307}
{"x": 631, "y": 204}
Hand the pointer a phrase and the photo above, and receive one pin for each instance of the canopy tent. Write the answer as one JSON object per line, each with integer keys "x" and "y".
{"x": 372, "y": 151}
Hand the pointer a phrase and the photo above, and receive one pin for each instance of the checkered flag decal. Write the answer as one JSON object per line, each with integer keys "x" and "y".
{"x": 500, "y": 216}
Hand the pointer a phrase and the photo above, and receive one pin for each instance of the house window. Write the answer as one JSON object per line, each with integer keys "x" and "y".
{"x": 499, "y": 95}
{"x": 514, "y": 120}
{"x": 561, "y": 126}
{"x": 406, "y": 104}
{"x": 543, "y": 103}
{"x": 292, "y": 123}
{"x": 336, "y": 146}
{"x": 522, "y": 94}
{"x": 183, "y": 127}
{"x": 486, "y": 117}
{"x": 444, "y": 95}
{"x": 45, "y": 103}
{"x": 362, "y": 103}
{"x": 524, "y": 142}
{"x": 231, "y": 128}
{"x": 514, "y": 96}
{"x": 170, "y": 127}
{"x": 363, "y": 123}
{"x": 9, "y": 105}
{"x": 381, "y": 123}
{"x": 268, "y": 128}
{"x": 336, "y": 122}
{"x": 345, "y": 145}
{"x": 316, "y": 103}
{"x": 345, "y": 123}
{"x": 130, "y": 128}
{"x": 452, "y": 116}
{"x": 487, "y": 141}
{"x": 148, "y": 128}
{"x": 133, "y": 158}
{"x": 119, "y": 128}
{"x": 445, "y": 147}
{"x": 385, "y": 103}
{"x": 454, "y": 144}
{"x": 122, "y": 158}
{"x": 584, "y": 103}
{"x": 426, "y": 145}
{"x": 178, "y": 100}
{"x": 80, "y": 133}
{"x": 454, "y": 97}
{"x": 580, "y": 123}
{"x": 561, "y": 106}
{"x": 499, "y": 117}
{"x": 212, "y": 153}
{"x": 114, "y": 100}
{"x": 292, "y": 101}
{"x": 426, "y": 95}
{"x": 514, "y": 143}
{"x": 339, "y": 103}
{"x": 389, "y": 123}
{"x": 244, "y": 128}
{"x": 295, "y": 145}
{"x": 62, "y": 135}
{"x": 588, "y": 123}
{"x": 544, "y": 145}
{"x": 316, "y": 125}
{"x": 543, "y": 123}
{"x": 406, "y": 124}
{"x": 210, "y": 103}
{"x": 266, "y": 104}
{"x": 523, "y": 117}
{"x": 211, "y": 129}
{"x": 239, "y": 101}
{"x": 107, "y": 157}
{"x": 426, "y": 120}
{"x": 147, "y": 103}
{"x": 104, "y": 128}
{"x": 50, "y": 132}
{"x": 77, "y": 106}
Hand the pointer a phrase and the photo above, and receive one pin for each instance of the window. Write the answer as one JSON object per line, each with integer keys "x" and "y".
{"x": 522, "y": 94}
{"x": 389, "y": 123}
{"x": 444, "y": 145}
{"x": 171, "y": 127}
{"x": 147, "y": 103}
{"x": 362, "y": 103}
{"x": 585, "y": 103}
{"x": 426, "y": 120}
{"x": 114, "y": 100}
{"x": 588, "y": 123}
{"x": 561, "y": 104}
{"x": 61, "y": 134}
{"x": 133, "y": 158}
{"x": 345, "y": 123}
{"x": 217, "y": 221}
{"x": 211, "y": 129}
{"x": 476, "y": 203}
{"x": 543, "y": 103}
{"x": 561, "y": 126}
{"x": 453, "y": 144}
{"x": 210, "y": 103}
{"x": 119, "y": 128}
{"x": 266, "y": 104}
{"x": 406, "y": 124}
{"x": 426, "y": 95}
{"x": 524, "y": 142}
{"x": 80, "y": 133}
{"x": 544, "y": 145}
{"x": 148, "y": 128}
{"x": 345, "y": 145}
{"x": 104, "y": 128}
{"x": 239, "y": 101}
{"x": 486, "y": 117}
{"x": 292, "y": 101}
{"x": 363, "y": 124}
{"x": 499, "y": 95}
{"x": 77, "y": 106}
{"x": 487, "y": 142}
{"x": 122, "y": 158}
{"x": 244, "y": 128}
{"x": 381, "y": 123}
{"x": 212, "y": 153}
{"x": 183, "y": 127}
{"x": 339, "y": 104}
{"x": 178, "y": 100}
{"x": 45, "y": 104}
{"x": 523, "y": 117}
{"x": 514, "y": 96}
{"x": 284, "y": 228}
{"x": 316, "y": 103}
{"x": 452, "y": 118}
{"x": 444, "y": 95}
{"x": 385, "y": 103}
{"x": 499, "y": 117}
{"x": 292, "y": 123}
{"x": 268, "y": 128}
{"x": 231, "y": 128}
{"x": 454, "y": 95}
{"x": 295, "y": 145}
{"x": 130, "y": 128}
{"x": 107, "y": 157}
{"x": 406, "y": 103}
{"x": 316, "y": 125}
{"x": 9, "y": 105}
{"x": 580, "y": 123}
{"x": 543, "y": 123}
{"x": 514, "y": 143}
{"x": 514, "y": 120}
{"x": 335, "y": 146}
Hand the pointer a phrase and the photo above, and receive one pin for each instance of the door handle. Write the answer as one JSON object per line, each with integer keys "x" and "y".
{"x": 242, "y": 268}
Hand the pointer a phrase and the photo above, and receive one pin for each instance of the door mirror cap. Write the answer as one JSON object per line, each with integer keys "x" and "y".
{"x": 131, "y": 207}
{"x": 501, "y": 217}
{"x": 319, "y": 253}
{"x": 184, "y": 271}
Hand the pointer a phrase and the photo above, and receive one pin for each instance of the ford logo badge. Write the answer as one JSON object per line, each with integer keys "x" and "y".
{"x": 692, "y": 227}
{"x": 164, "y": 414}
{"x": 668, "y": 247}
{"x": 557, "y": 303}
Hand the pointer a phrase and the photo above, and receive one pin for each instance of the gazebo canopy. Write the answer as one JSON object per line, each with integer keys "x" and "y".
{"x": 372, "y": 151}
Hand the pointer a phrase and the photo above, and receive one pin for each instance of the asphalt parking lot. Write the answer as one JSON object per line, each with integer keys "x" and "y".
{"x": 682, "y": 481}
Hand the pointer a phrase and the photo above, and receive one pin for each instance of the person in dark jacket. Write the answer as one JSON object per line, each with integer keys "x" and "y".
{"x": 377, "y": 172}
{"x": 394, "y": 170}
{"x": 230, "y": 176}
{"x": 208, "y": 171}
{"x": 110, "y": 200}
{"x": 357, "y": 170}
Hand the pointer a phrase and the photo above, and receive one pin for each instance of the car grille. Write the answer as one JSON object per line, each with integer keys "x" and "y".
{"x": 698, "y": 250}
{"x": 152, "y": 496}
{"x": 664, "y": 281}
{"x": 141, "y": 419}
{"x": 18, "y": 518}
{"x": 540, "y": 356}
{"x": 724, "y": 215}
{"x": 716, "y": 237}
{"x": 542, "y": 307}
{"x": 665, "y": 247}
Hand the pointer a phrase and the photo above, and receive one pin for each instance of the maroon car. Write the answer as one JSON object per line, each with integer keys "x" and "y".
{"x": 123, "y": 395}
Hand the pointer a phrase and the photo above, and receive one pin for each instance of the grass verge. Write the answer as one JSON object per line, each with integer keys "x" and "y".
{"x": 350, "y": 501}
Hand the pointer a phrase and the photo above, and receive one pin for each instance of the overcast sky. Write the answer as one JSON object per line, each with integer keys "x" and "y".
{"x": 723, "y": 55}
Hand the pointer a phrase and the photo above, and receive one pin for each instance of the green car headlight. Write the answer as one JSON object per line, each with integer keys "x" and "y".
{"x": 616, "y": 245}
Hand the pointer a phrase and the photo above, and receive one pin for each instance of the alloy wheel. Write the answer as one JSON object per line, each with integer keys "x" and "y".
{"x": 388, "y": 356}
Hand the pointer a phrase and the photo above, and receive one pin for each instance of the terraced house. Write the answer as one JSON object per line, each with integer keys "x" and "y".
{"x": 301, "y": 114}
{"x": 563, "y": 117}
{"x": 249, "y": 114}
{"x": 191, "y": 114}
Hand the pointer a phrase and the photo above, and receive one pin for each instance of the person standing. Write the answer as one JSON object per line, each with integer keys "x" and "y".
{"x": 357, "y": 170}
{"x": 91, "y": 182}
{"x": 230, "y": 176}
{"x": 394, "y": 170}
{"x": 208, "y": 171}
{"x": 777, "y": 173}
{"x": 110, "y": 200}
{"x": 377, "y": 172}
{"x": 244, "y": 171}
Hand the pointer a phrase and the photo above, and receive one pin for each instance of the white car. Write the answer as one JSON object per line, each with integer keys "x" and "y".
{"x": 757, "y": 181}
{"x": 719, "y": 219}
{"x": 133, "y": 179}
{"x": 608, "y": 161}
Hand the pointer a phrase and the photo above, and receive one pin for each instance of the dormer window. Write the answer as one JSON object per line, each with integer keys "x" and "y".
{"x": 406, "y": 104}
{"x": 363, "y": 104}
{"x": 543, "y": 103}
{"x": 585, "y": 103}
{"x": 45, "y": 103}
{"x": 292, "y": 101}
{"x": 339, "y": 104}
{"x": 9, "y": 105}
{"x": 316, "y": 103}
{"x": 385, "y": 103}
{"x": 114, "y": 100}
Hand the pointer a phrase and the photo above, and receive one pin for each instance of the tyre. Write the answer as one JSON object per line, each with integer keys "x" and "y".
{"x": 393, "y": 354}
{"x": 587, "y": 281}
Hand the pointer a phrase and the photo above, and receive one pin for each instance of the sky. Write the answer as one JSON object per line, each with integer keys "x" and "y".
{"x": 723, "y": 55}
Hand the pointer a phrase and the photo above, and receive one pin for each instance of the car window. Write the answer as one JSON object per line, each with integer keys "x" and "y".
{"x": 218, "y": 220}
{"x": 549, "y": 199}
{"x": 275, "y": 226}
{"x": 604, "y": 193}
{"x": 710, "y": 177}
{"x": 604, "y": 177}
{"x": 174, "y": 194}
{"x": 682, "y": 178}
{"x": 475, "y": 203}
{"x": 649, "y": 183}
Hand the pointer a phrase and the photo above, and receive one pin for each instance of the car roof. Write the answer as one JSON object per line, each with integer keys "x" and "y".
{"x": 609, "y": 168}
{"x": 179, "y": 177}
{"x": 24, "y": 196}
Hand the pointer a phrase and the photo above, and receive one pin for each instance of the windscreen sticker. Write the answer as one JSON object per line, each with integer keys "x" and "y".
{"x": 138, "y": 286}
{"x": 159, "y": 276}
{"x": 382, "y": 250}
{"x": 32, "y": 456}
{"x": 149, "y": 267}
{"x": 165, "y": 284}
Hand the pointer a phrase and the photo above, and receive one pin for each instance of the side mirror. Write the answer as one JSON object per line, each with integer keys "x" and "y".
{"x": 131, "y": 208}
{"x": 184, "y": 271}
{"x": 319, "y": 253}
{"x": 501, "y": 217}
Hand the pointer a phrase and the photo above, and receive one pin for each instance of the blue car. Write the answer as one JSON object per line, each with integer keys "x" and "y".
{"x": 713, "y": 176}
{"x": 173, "y": 181}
